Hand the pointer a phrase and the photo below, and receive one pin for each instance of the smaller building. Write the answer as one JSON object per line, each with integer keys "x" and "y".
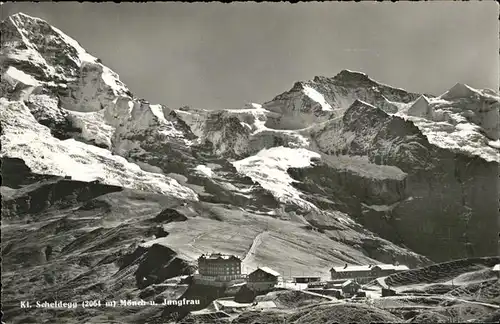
{"x": 317, "y": 284}
{"x": 365, "y": 273}
{"x": 337, "y": 283}
{"x": 305, "y": 279}
{"x": 350, "y": 272}
{"x": 263, "y": 278}
{"x": 350, "y": 288}
{"x": 496, "y": 269}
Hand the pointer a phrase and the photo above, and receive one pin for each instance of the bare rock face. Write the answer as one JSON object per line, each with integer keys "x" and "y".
{"x": 448, "y": 184}
{"x": 57, "y": 193}
{"x": 91, "y": 85}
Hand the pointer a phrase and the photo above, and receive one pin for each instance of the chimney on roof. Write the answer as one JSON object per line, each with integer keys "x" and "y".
{"x": 345, "y": 266}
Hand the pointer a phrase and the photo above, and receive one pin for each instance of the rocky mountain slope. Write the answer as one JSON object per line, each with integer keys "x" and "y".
{"x": 98, "y": 183}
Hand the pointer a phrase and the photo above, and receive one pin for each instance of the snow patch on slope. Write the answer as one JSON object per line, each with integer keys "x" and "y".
{"x": 463, "y": 119}
{"x": 142, "y": 116}
{"x": 195, "y": 120}
{"x": 318, "y": 97}
{"x": 463, "y": 137}
{"x": 494, "y": 144}
{"x": 24, "y": 138}
{"x": 399, "y": 105}
{"x": 255, "y": 119}
{"x": 12, "y": 75}
{"x": 460, "y": 90}
{"x": 158, "y": 112}
{"x": 113, "y": 81}
{"x": 93, "y": 126}
{"x": 203, "y": 169}
{"x": 256, "y": 105}
{"x": 250, "y": 136}
{"x": 269, "y": 169}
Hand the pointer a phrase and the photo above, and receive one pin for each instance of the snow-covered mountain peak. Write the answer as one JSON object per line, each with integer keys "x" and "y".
{"x": 464, "y": 91}
{"x": 323, "y": 98}
{"x": 25, "y": 18}
{"x": 31, "y": 29}
{"x": 46, "y": 53}
{"x": 77, "y": 106}
{"x": 355, "y": 79}
{"x": 465, "y": 116}
{"x": 459, "y": 90}
{"x": 92, "y": 98}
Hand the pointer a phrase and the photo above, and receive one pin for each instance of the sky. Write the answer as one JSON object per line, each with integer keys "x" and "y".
{"x": 215, "y": 55}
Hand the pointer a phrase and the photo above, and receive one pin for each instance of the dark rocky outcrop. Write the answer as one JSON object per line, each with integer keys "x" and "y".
{"x": 158, "y": 264}
{"x": 169, "y": 215}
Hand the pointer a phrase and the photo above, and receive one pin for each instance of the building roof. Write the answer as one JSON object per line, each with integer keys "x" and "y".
{"x": 232, "y": 303}
{"x": 496, "y": 267}
{"x": 306, "y": 277}
{"x": 363, "y": 268}
{"x": 332, "y": 289}
{"x": 218, "y": 256}
{"x": 337, "y": 286}
{"x": 269, "y": 271}
{"x": 351, "y": 268}
{"x": 346, "y": 283}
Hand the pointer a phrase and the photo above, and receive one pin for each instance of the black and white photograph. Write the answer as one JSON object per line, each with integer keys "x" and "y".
{"x": 250, "y": 162}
